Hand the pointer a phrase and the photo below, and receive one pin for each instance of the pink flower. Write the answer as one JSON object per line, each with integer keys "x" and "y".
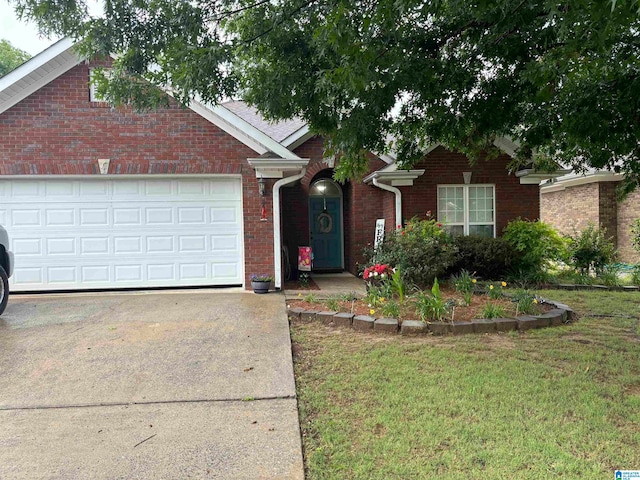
{"x": 428, "y": 213}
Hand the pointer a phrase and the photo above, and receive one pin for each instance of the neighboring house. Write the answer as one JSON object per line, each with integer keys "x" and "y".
{"x": 99, "y": 197}
{"x": 572, "y": 201}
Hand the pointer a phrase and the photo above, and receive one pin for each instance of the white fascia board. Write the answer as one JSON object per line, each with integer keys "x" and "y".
{"x": 277, "y": 167}
{"x": 574, "y": 181}
{"x": 298, "y": 137}
{"x": 35, "y": 65}
{"x": 530, "y": 176}
{"x": 234, "y": 125}
{"x": 36, "y": 62}
{"x": 394, "y": 177}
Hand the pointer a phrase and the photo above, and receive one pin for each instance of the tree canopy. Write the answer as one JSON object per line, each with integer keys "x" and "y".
{"x": 10, "y": 57}
{"x": 562, "y": 79}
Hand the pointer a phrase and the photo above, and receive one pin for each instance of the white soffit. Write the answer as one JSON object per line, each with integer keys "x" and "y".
{"x": 36, "y": 73}
{"x": 575, "y": 180}
{"x": 530, "y": 176}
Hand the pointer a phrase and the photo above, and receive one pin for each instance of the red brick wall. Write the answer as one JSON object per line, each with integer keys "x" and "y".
{"x": 58, "y": 131}
{"x": 445, "y": 167}
{"x": 362, "y": 206}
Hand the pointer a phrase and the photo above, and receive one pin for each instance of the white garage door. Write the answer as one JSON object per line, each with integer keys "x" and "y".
{"x": 120, "y": 233}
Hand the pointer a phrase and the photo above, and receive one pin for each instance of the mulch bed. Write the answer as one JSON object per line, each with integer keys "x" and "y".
{"x": 295, "y": 285}
{"x": 408, "y": 312}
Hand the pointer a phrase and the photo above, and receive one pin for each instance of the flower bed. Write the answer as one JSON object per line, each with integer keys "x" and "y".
{"x": 458, "y": 312}
{"x": 454, "y": 311}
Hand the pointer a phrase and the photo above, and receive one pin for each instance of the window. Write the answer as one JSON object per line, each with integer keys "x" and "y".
{"x": 93, "y": 93}
{"x": 467, "y": 209}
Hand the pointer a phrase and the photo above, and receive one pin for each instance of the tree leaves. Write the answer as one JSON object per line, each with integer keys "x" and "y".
{"x": 560, "y": 79}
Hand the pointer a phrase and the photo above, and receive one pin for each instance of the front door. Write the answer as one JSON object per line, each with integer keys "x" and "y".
{"x": 325, "y": 221}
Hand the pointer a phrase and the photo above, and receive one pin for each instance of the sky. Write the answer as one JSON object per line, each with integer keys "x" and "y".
{"x": 20, "y": 34}
{"x": 25, "y": 35}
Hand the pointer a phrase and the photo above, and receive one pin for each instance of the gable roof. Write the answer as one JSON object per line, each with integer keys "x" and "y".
{"x": 60, "y": 58}
{"x": 276, "y": 130}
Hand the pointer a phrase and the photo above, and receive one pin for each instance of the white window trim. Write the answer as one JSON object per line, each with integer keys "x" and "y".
{"x": 93, "y": 95}
{"x": 465, "y": 196}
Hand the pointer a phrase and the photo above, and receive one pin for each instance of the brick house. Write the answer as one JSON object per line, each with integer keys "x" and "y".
{"x": 573, "y": 201}
{"x": 98, "y": 197}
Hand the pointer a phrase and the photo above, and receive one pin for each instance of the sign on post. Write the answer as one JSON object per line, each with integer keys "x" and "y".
{"x": 379, "y": 235}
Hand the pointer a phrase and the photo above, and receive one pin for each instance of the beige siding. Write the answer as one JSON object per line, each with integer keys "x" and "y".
{"x": 572, "y": 208}
{"x": 628, "y": 211}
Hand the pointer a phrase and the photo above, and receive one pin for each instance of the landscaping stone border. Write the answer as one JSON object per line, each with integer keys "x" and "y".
{"x": 560, "y": 315}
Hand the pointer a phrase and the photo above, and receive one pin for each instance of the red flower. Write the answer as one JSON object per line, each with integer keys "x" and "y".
{"x": 403, "y": 232}
{"x": 439, "y": 224}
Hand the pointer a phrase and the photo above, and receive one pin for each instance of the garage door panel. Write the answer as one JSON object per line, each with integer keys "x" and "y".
{"x": 25, "y": 218}
{"x": 109, "y": 233}
{"x": 60, "y": 189}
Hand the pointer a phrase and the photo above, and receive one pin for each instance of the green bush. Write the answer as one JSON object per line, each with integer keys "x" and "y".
{"x": 635, "y": 234}
{"x": 635, "y": 275}
{"x": 431, "y": 306}
{"x": 421, "y": 251}
{"x": 536, "y": 244}
{"x": 591, "y": 248}
{"x": 490, "y": 258}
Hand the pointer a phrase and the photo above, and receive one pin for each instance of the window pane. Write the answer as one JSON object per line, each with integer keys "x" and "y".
{"x": 481, "y": 230}
{"x": 457, "y": 230}
{"x": 451, "y": 204}
{"x": 481, "y": 204}
{"x": 325, "y": 188}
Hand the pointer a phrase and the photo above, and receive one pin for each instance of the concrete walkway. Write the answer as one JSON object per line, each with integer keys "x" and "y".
{"x": 333, "y": 284}
{"x": 191, "y": 384}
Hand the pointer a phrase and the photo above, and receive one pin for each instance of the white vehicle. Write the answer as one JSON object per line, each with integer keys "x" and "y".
{"x": 6, "y": 268}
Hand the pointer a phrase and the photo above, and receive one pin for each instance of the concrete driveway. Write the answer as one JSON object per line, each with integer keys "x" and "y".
{"x": 190, "y": 384}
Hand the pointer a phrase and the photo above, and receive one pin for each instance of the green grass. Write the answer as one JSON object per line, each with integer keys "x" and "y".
{"x": 558, "y": 402}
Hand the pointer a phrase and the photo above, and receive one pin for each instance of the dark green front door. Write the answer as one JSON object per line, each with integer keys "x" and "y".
{"x": 325, "y": 221}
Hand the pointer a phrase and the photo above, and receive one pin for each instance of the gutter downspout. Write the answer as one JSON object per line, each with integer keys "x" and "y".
{"x": 398, "y": 195}
{"x": 277, "y": 247}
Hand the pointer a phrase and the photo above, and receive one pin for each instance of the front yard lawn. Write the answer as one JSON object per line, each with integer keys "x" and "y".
{"x": 556, "y": 402}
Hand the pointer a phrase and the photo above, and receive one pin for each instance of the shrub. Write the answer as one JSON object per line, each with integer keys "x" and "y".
{"x": 491, "y": 310}
{"x": 610, "y": 275}
{"x": 494, "y": 291}
{"x": 536, "y": 243}
{"x": 635, "y": 234}
{"x": 489, "y": 258}
{"x": 377, "y": 294}
{"x": 525, "y": 302}
{"x": 464, "y": 283}
{"x": 635, "y": 275}
{"x": 431, "y": 306}
{"x": 422, "y": 251}
{"x": 591, "y": 248}
{"x": 391, "y": 309}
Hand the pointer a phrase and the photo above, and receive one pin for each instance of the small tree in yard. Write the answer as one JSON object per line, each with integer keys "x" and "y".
{"x": 537, "y": 243}
{"x": 591, "y": 248}
{"x": 635, "y": 234}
